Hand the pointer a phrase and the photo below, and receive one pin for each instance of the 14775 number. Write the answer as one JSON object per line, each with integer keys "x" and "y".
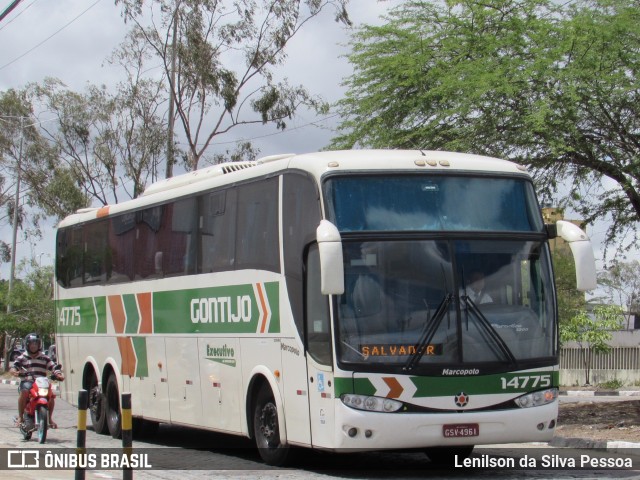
{"x": 531, "y": 381}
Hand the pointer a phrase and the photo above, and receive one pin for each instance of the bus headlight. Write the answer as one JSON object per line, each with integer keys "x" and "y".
{"x": 371, "y": 404}
{"x": 535, "y": 399}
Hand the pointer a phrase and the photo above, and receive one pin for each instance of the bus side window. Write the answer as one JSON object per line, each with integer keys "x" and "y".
{"x": 217, "y": 231}
{"x": 257, "y": 226}
{"x": 317, "y": 312}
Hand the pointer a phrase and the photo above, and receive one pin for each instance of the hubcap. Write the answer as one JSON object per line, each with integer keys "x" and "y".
{"x": 269, "y": 422}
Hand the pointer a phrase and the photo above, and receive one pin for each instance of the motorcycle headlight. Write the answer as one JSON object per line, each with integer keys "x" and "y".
{"x": 43, "y": 392}
{"x": 535, "y": 399}
{"x": 371, "y": 404}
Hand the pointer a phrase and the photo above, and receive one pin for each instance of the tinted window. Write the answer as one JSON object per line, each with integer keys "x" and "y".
{"x": 257, "y": 226}
{"x": 300, "y": 219}
{"x": 218, "y": 231}
{"x": 432, "y": 203}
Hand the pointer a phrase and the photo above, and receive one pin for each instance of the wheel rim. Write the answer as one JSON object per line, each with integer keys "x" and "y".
{"x": 95, "y": 403}
{"x": 268, "y": 425}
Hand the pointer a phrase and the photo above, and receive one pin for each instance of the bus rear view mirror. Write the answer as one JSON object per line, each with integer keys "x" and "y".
{"x": 582, "y": 254}
{"x": 331, "y": 266}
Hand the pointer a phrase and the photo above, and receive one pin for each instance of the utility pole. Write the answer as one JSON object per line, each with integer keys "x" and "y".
{"x": 16, "y": 212}
{"x": 172, "y": 95}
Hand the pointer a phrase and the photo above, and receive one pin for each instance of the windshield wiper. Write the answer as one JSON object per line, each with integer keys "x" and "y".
{"x": 428, "y": 332}
{"x": 489, "y": 330}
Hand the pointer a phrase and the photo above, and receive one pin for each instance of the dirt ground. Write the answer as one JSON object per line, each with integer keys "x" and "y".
{"x": 600, "y": 420}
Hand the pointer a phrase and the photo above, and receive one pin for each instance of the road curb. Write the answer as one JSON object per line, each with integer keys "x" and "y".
{"x": 600, "y": 393}
{"x": 613, "y": 446}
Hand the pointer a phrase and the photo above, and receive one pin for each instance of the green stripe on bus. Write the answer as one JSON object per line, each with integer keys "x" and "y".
{"x": 361, "y": 386}
{"x": 76, "y": 316}
{"x": 518, "y": 382}
{"x": 100, "y": 304}
{"x": 485, "y": 384}
{"x": 142, "y": 364}
{"x": 229, "y": 309}
{"x": 131, "y": 310}
{"x": 272, "y": 291}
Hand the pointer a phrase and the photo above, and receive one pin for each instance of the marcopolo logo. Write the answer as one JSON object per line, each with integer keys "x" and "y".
{"x": 224, "y": 354}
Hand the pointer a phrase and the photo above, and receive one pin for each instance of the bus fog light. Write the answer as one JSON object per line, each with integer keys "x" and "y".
{"x": 353, "y": 431}
{"x": 368, "y": 433}
{"x": 371, "y": 403}
{"x": 552, "y": 424}
{"x": 537, "y": 399}
{"x": 540, "y": 426}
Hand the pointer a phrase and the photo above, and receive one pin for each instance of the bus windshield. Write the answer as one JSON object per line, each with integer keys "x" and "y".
{"x": 446, "y": 304}
{"x": 432, "y": 203}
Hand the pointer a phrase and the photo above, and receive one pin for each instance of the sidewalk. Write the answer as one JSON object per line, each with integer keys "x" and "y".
{"x": 4, "y": 381}
{"x": 600, "y": 393}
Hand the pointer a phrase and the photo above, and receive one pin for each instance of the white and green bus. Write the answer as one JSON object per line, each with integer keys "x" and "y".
{"x": 325, "y": 300}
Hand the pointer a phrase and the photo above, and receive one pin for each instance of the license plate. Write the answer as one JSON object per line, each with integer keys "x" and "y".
{"x": 461, "y": 430}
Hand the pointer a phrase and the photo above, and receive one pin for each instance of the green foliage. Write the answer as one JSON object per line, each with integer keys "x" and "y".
{"x": 611, "y": 384}
{"x": 32, "y": 307}
{"x": 106, "y": 142}
{"x": 592, "y": 333}
{"x": 570, "y": 300}
{"x": 621, "y": 283}
{"x": 25, "y": 154}
{"x": 553, "y": 85}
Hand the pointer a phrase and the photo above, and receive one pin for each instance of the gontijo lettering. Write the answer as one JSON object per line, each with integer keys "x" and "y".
{"x": 221, "y": 310}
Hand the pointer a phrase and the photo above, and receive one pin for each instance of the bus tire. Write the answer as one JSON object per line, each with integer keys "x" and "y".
{"x": 266, "y": 431}
{"x": 97, "y": 407}
{"x": 112, "y": 410}
{"x": 445, "y": 456}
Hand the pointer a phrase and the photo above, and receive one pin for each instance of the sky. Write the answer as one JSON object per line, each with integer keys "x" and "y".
{"x": 71, "y": 40}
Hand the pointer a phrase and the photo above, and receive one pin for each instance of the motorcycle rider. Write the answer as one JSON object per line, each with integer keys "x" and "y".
{"x": 36, "y": 364}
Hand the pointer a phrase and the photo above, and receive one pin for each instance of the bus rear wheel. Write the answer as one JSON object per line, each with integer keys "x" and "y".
{"x": 112, "y": 409}
{"x": 97, "y": 405}
{"x": 266, "y": 430}
{"x": 446, "y": 456}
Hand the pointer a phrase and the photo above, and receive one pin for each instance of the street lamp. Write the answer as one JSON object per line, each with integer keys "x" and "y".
{"x": 40, "y": 258}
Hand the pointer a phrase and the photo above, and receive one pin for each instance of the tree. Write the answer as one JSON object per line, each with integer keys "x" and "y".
{"x": 218, "y": 58}
{"x": 592, "y": 333}
{"x": 109, "y": 143}
{"x": 570, "y": 300}
{"x": 29, "y": 169}
{"x": 33, "y": 309}
{"x": 621, "y": 282}
{"x": 553, "y": 85}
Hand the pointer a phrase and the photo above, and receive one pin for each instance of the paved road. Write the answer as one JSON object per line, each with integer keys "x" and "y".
{"x": 228, "y": 457}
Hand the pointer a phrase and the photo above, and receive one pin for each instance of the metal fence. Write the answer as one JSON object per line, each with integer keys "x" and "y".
{"x": 620, "y": 363}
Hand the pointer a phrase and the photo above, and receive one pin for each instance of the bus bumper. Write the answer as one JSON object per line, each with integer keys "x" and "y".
{"x": 360, "y": 430}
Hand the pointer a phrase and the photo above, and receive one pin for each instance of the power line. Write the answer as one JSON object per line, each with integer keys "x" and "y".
{"x": 8, "y": 10}
{"x": 50, "y": 36}
{"x": 17, "y": 15}
{"x": 281, "y": 132}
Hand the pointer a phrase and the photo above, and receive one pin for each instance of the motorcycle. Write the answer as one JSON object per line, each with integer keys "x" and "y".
{"x": 36, "y": 412}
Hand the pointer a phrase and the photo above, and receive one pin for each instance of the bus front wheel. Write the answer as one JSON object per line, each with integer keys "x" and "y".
{"x": 266, "y": 430}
